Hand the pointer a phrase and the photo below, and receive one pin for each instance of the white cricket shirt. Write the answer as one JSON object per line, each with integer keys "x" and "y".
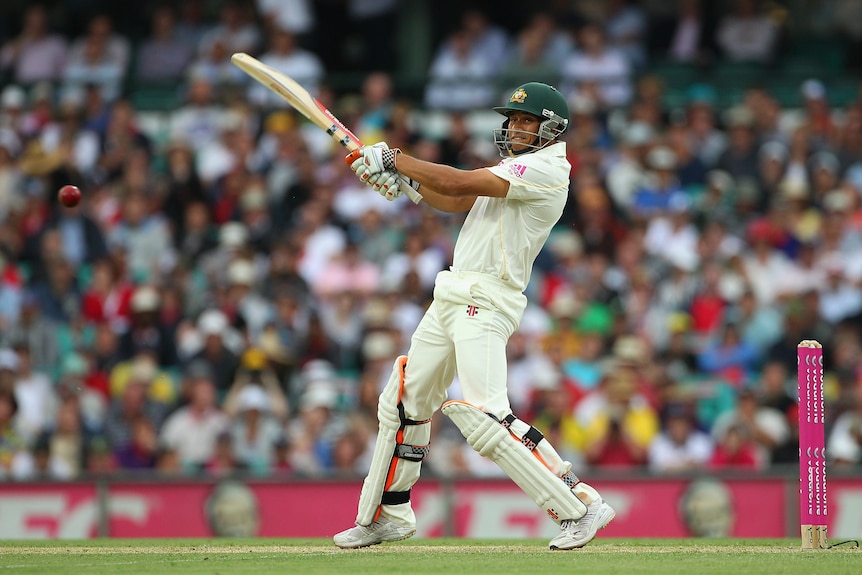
{"x": 501, "y": 237}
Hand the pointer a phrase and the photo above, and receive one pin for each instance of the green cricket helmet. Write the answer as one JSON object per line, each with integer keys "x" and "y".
{"x": 540, "y": 100}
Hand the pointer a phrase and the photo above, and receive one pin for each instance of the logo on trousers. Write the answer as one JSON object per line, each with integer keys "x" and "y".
{"x": 472, "y": 310}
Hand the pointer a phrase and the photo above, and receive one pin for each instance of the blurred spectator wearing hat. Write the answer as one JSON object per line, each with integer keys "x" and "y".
{"x": 313, "y": 433}
{"x": 740, "y": 158}
{"x": 618, "y": 420}
{"x": 193, "y": 430}
{"x": 134, "y": 417}
{"x": 145, "y": 332}
{"x": 36, "y": 53}
{"x": 256, "y": 427}
{"x": 627, "y": 170}
{"x": 654, "y": 196}
{"x": 844, "y": 442}
{"x": 243, "y": 304}
{"x": 216, "y": 348}
{"x": 763, "y": 262}
{"x": 680, "y": 446}
{"x": 255, "y": 370}
{"x": 839, "y": 298}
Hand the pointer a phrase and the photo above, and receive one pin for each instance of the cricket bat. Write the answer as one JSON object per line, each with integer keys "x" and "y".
{"x": 307, "y": 105}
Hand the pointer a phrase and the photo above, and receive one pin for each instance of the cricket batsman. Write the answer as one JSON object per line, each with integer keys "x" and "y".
{"x": 477, "y": 305}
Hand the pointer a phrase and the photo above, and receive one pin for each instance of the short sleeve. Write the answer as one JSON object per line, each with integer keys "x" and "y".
{"x": 531, "y": 177}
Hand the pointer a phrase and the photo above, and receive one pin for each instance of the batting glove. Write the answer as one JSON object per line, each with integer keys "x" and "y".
{"x": 385, "y": 183}
{"x": 373, "y": 160}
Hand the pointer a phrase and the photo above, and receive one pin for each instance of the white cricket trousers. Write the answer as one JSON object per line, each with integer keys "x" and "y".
{"x": 465, "y": 331}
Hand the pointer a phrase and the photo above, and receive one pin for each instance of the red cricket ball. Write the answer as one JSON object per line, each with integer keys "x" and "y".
{"x": 69, "y": 195}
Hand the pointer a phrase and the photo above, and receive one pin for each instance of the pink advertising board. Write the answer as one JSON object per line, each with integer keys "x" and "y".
{"x": 486, "y": 509}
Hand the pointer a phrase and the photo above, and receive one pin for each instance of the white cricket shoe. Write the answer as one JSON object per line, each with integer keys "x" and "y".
{"x": 578, "y": 532}
{"x": 366, "y": 535}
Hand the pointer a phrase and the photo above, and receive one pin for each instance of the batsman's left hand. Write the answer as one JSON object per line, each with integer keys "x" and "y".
{"x": 386, "y": 184}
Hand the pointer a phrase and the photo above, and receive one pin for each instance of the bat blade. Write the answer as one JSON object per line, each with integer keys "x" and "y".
{"x": 298, "y": 97}
{"x": 303, "y": 102}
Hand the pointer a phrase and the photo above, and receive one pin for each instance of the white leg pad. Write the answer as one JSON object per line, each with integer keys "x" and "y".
{"x": 523, "y": 465}
{"x": 401, "y": 446}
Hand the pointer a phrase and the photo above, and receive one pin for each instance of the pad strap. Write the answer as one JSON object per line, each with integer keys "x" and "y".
{"x": 531, "y": 440}
{"x": 412, "y": 452}
{"x": 395, "y": 497}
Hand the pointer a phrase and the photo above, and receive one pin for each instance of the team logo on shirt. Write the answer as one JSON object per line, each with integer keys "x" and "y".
{"x": 472, "y": 310}
{"x": 517, "y": 170}
{"x": 519, "y": 96}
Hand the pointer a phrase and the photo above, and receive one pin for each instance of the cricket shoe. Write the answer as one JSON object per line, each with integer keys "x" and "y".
{"x": 578, "y": 532}
{"x": 366, "y": 535}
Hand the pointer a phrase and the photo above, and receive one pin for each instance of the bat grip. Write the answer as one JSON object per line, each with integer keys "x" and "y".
{"x": 351, "y": 157}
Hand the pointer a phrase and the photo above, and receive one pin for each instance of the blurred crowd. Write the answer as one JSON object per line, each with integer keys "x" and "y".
{"x": 227, "y": 298}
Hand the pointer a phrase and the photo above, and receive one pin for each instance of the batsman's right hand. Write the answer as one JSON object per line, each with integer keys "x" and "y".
{"x": 373, "y": 160}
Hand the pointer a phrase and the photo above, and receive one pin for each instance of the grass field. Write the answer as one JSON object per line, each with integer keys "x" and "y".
{"x": 424, "y": 556}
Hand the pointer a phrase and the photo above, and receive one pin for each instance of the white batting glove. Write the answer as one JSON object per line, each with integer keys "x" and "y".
{"x": 385, "y": 183}
{"x": 373, "y": 160}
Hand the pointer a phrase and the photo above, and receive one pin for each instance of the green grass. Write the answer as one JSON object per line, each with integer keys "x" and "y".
{"x": 423, "y": 556}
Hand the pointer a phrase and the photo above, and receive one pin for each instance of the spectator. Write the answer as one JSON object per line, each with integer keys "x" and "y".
{"x": 16, "y": 462}
{"x": 693, "y": 34}
{"x": 165, "y": 53}
{"x": 34, "y": 393}
{"x": 145, "y": 333}
{"x": 844, "y": 443}
{"x": 747, "y": 34}
{"x": 286, "y": 56}
{"x": 37, "y": 53}
{"x": 374, "y": 20}
{"x": 735, "y": 450}
{"x": 255, "y": 430}
{"x": 680, "y": 446}
{"x": 626, "y": 30}
{"x": 135, "y": 400}
{"x": 140, "y": 452}
{"x": 661, "y": 193}
{"x": 97, "y": 59}
{"x": 597, "y": 67}
{"x": 729, "y": 356}
{"x": 233, "y": 32}
{"x": 143, "y": 236}
{"x": 198, "y": 120}
{"x": 108, "y": 297}
{"x": 214, "y": 353}
{"x": 765, "y": 426}
{"x": 487, "y": 40}
{"x": 295, "y": 16}
{"x": 460, "y": 79}
{"x": 194, "y": 429}
{"x": 100, "y": 28}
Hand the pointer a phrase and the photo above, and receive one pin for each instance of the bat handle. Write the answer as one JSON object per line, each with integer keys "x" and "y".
{"x": 351, "y": 157}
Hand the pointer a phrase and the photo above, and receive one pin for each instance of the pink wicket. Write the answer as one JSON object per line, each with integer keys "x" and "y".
{"x": 812, "y": 449}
